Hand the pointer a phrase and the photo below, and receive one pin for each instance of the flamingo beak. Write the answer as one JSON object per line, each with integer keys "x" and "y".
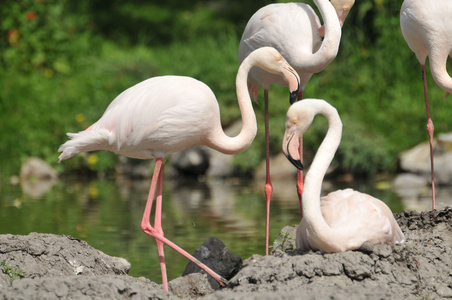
{"x": 293, "y": 81}
{"x": 293, "y": 97}
{"x": 290, "y": 150}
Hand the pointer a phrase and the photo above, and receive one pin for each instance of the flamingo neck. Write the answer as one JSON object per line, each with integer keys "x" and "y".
{"x": 314, "y": 178}
{"x": 231, "y": 145}
{"x": 330, "y": 45}
{"x": 438, "y": 61}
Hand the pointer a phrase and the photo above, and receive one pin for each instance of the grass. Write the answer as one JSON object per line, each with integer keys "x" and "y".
{"x": 11, "y": 272}
{"x": 377, "y": 91}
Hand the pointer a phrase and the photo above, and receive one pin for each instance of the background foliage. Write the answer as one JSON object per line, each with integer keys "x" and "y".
{"x": 62, "y": 62}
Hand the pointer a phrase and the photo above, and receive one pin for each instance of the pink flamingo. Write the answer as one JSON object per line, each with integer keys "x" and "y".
{"x": 295, "y": 31}
{"x": 162, "y": 115}
{"x": 344, "y": 219}
{"x": 427, "y": 28}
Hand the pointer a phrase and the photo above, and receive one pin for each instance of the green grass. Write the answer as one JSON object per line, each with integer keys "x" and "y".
{"x": 374, "y": 83}
{"x": 11, "y": 272}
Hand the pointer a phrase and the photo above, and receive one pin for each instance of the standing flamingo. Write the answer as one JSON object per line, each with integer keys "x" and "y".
{"x": 344, "y": 219}
{"x": 162, "y": 115}
{"x": 427, "y": 28}
{"x": 294, "y": 30}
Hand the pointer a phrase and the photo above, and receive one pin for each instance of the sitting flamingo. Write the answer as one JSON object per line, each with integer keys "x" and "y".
{"x": 344, "y": 219}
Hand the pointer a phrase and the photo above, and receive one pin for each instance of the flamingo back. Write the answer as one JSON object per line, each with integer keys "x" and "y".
{"x": 355, "y": 218}
{"x": 277, "y": 25}
{"x": 154, "y": 118}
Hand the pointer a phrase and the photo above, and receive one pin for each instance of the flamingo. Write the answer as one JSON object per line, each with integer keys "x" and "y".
{"x": 427, "y": 28}
{"x": 345, "y": 219}
{"x": 162, "y": 115}
{"x": 294, "y": 30}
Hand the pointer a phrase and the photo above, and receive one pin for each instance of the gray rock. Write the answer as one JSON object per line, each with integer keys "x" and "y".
{"x": 193, "y": 161}
{"x": 221, "y": 165}
{"x": 214, "y": 254}
{"x": 280, "y": 168}
{"x": 49, "y": 255}
{"x": 417, "y": 159}
{"x": 36, "y": 169}
{"x": 36, "y": 177}
{"x": 191, "y": 285}
{"x": 134, "y": 168}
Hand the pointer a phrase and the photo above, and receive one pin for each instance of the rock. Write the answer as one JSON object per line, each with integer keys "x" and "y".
{"x": 133, "y": 168}
{"x": 36, "y": 169}
{"x": 202, "y": 160}
{"x": 191, "y": 285}
{"x": 416, "y": 193}
{"x": 36, "y": 177}
{"x": 49, "y": 255}
{"x": 409, "y": 185}
{"x": 221, "y": 165}
{"x": 280, "y": 167}
{"x": 193, "y": 161}
{"x": 417, "y": 159}
{"x": 416, "y": 269}
{"x": 286, "y": 240}
{"x": 84, "y": 287}
{"x": 214, "y": 254}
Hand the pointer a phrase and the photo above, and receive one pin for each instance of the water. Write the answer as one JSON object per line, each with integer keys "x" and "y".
{"x": 107, "y": 215}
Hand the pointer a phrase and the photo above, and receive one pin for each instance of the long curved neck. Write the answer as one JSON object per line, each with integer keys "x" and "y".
{"x": 330, "y": 45}
{"x": 314, "y": 178}
{"x": 231, "y": 145}
{"x": 438, "y": 59}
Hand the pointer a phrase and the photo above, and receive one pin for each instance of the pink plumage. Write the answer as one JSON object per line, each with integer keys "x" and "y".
{"x": 342, "y": 220}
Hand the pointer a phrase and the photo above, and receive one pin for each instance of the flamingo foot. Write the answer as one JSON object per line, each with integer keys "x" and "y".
{"x": 157, "y": 232}
{"x": 268, "y": 195}
{"x": 149, "y": 230}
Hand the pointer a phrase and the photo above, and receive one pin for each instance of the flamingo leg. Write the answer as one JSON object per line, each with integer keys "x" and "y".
{"x": 268, "y": 184}
{"x": 158, "y": 226}
{"x": 157, "y": 232}
{"x": 430, "y": 129}
{"x": 300, "y": 172}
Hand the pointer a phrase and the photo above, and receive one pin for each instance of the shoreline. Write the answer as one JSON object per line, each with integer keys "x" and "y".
{"x": 59, "y": 267}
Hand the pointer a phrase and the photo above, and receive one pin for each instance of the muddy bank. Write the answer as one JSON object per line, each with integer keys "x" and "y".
{"x": 61, "y": 267}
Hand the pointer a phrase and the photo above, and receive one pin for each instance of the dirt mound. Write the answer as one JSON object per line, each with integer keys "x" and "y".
{"x": 63, "y": 267}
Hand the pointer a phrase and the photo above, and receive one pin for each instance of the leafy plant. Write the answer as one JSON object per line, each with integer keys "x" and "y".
{"x": 41, "y": 35}
{"x": 14, "y": 274}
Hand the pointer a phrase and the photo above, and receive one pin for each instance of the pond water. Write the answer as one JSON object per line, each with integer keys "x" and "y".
{"x": 107, "y": 214}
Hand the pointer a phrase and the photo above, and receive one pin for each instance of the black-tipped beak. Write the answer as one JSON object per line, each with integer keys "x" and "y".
{"x": 293, "y": 97}
{"x": 296, "y": 162}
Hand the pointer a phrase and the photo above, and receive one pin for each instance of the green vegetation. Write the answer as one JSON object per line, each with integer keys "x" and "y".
{"x": 62, "y": 62}
{"x": 14, "y": 274}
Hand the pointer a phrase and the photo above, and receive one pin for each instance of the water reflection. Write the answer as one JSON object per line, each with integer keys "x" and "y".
{"x": 107, "y": 214}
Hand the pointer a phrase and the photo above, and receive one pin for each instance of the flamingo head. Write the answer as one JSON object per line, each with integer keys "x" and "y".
{"x": 272, "y": 61}
{"x": 342, "y": 8}
{"x": 298, "y": 119}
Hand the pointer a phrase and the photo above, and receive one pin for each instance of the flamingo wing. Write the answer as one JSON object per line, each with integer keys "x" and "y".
{"x": 159, "y": 115}
{"x": 356, "y": 218}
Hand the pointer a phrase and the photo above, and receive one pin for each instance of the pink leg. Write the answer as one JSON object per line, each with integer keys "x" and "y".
{"x": 268, "y": 185}
{"x": 158, "y": 226}
{"x": 430, "y": 129}
{"x": 157, "y": 232}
